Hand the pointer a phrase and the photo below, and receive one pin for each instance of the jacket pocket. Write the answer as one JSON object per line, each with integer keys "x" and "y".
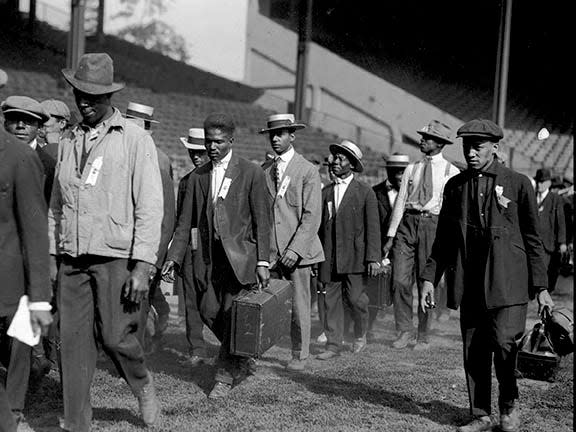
{"x": 118, "y": 235}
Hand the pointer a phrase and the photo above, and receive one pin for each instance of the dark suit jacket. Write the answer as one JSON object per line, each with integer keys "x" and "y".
{"x": 243, "y": 218}
{"x": 352, "y": 234}
{"x": 48, "y": 160}
{"x": 168, "y": 218}
{"x": 515, "y": 265}
{"x": 23, "y": 227}
{"x": 552, "y": 222}
{"x": 384, "y": 209}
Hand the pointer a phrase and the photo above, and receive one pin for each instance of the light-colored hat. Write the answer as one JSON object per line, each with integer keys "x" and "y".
{"x": 397, "y": 160}
{"x": 351, "y": 150}
{"x": 281, "y": 121}
{"x": 3, "y": 78}
{"x": 438, "y": 130}
{"x": 25, "y": 105}
{"x": 95, "y": 75}
{"x": 195, "y": 139}
{"x": 140, "y": 111}
{"x": 56, "y": 108}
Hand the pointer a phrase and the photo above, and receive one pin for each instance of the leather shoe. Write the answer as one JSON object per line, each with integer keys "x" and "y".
{"x": 403, "y": 340}
{"x": 220, "y": 390}
{"x": 327, "y": 355}
{"x": 359, "y": 345}
{"x": 149, "y": 405}
{"x": 297, "y": 364}
{"x": 510, "y": 422}
{"x": 478, "y": 424}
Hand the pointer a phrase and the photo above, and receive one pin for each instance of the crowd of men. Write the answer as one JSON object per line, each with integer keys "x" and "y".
{"x": 90, "y": 226}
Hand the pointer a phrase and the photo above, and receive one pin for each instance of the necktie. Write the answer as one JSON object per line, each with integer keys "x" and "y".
{"x": 276, "y": 173}
{"x": 425, "y": 189}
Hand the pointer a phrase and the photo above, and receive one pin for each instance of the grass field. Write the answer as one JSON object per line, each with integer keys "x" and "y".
{"x": 382, "y": 389}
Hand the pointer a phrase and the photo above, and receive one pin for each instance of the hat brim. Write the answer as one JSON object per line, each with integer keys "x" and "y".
{"x": 42, "y": 118}
{"x": 295, "y": 126}
{"x": 480, "y": 134}
{"x": 441, "y": 138}
{"x": 190, "y": 146}
{"x": 90, "y": 88}
{"x": 358, "y": 166}
{"x": 396, "y": 165}
{"x": 140, "y": 118}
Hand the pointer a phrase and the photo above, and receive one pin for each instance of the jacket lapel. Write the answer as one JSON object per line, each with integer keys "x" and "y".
{"x": 349, "y": 194}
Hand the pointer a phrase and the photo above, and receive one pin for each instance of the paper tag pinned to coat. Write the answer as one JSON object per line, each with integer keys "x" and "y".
{"x": 21, "y": 327}
{"x": 283, "y": 187}
{"x": 94, "y": 171}
{"x": 330, "y": 207}
{"x": 502, "y": 200}
{"x": 225, "y": 187}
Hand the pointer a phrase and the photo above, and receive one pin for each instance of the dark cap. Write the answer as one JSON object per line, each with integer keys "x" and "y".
{"x": 481, "y": 128}
{"x": 543, "y": 174}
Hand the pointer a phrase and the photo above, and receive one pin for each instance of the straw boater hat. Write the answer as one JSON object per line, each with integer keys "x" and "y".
{"x": 141, "y": 112}
{"x": 195, "y": 139}
{"x": 352, "y": 151}
{"x": 438, "y": 130}
{"x": 397, "y": 161}
{"x": 281, "y": 121}
{"x": 95, "y": 75}
{"x": 25, "y": 105}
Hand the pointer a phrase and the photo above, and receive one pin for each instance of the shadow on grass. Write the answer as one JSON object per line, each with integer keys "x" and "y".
{"x": 437, "y": 411}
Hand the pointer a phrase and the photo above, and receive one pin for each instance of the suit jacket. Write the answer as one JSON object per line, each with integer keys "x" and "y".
{"x": 168, "y": 218}
{"x": 384, "y": 209}
{"x": 46, "y": 156}
{"x": 515, "y": 264}
{"x": 351, "y": 236}
{"x": 243, "y": 219}
{"x": 552, "y": 222}
{"x": 296, "y": 214}
{"x": 23, "y": 227}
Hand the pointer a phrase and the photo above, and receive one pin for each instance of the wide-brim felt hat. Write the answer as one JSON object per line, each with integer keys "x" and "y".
{"x": 194, "y": 140}
{"x": 438, "y": 130}
{"x": 281, "y": 121}
{"x": 352, "y": 151}
{"x": 25, "y": 105}
{"x": 141, "y": 112}
{"x": 94, "y": 75}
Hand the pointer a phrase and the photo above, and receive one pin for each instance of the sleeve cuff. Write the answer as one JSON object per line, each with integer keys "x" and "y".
{"x": 263, "y": 264}
{"x": 39, "y": 306}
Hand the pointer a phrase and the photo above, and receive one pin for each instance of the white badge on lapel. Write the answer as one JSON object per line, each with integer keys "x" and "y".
{"x": 329, "y": 209}
{"x": 283, "y": 187}
{"x": 94, "y": 171}
{"x": 502, "y": 200}
{"x": 225, "y": 187}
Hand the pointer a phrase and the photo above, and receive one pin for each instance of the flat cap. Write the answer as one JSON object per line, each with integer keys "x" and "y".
{"x": 481, "y": 128}
{"x": 56, "y": 108}
{"x": 26, "y": 105}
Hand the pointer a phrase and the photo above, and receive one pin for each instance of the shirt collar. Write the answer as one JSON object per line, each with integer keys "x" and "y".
{"x": 489, "y": 170}
{"x": 224, "y": 162}
{"x": 115, "y": 120}
{"x": 345, "y": 180}
{"x": 436, "y": 158}
{"x": 33, "y": 144}
{"x": 543, "y": 194}
{"x": 287, "y": 156}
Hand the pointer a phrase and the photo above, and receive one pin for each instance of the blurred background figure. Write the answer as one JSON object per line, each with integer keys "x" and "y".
{"x": 56, "y": 126}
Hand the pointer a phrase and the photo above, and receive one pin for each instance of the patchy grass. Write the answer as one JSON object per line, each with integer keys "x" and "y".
{"x": 382, "y": 389}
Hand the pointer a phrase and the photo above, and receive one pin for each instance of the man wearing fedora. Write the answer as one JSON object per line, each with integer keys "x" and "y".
{"x": 225, "y": 227}
{"x": 104, "y": 224}
{"x": 184, "y": 282}
{"x": 552, "y": 225}
{"x": 143, "y": 116}
{"x": 295, "y": 193}
{"x": 413, "y": 227}
{"x": 488, "y": 244}
{"x": 350, "y": 235}
{"x": 386, "y": 193}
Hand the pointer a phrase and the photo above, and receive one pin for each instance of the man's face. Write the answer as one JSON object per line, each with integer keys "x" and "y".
{"x": 395, "y": 176}
{"x": 22, "y": 126}
{"x": 218, "y": 143}
{"x": 543, "y": 186}
{"x": 52, "y": 128}
{"x": 281, "y": 140}
{"x": 430, "y": 146}
{"x": 93, "y": 108}
{"x": 478, "y": 151}
{"x": 198, "y": 157}
{"x": 341, "y": 166}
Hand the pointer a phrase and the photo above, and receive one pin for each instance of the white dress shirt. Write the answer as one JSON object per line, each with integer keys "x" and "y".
{"x": 33, "y": 144}
{"x": 540, "y": 197}
{"x": 217, "y": 175}
{"x": 340, "y": 186}
{"x": 282, "y": 162}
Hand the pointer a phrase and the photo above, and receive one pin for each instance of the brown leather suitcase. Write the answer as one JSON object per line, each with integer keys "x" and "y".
{"x": 379, "y": 290}
{"x": 261, "y": 318}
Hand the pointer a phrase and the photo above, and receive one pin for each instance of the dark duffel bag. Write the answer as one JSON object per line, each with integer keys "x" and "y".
{"x": 379, "y": 288}
{"x": 560, "y": 330}
{"x": 260, "y": 318}
{"x": 536, "y": 356}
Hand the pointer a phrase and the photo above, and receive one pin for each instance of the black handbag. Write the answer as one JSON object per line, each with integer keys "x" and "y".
{"x": 560, "y": 330}
{"x": 537, "y": 358}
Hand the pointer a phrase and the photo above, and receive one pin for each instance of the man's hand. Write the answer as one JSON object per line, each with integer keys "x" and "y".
{"x": 137, "y": 282}
{"x": 544, "y": 300}
{"x": 168, "y": 271}
{"x": 563, "y": 248}
{"x": 289, "y": 259}
{"x": 427, "y": 293}
{"x": 53, "y": 265}
{"x": 40, "y": 321}
{"x": 263, "y": 275}
{"x": 373, "y": 269}
{"x": 387, "y": 246}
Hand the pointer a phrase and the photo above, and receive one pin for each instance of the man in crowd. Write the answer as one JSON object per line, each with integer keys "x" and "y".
{"x": 104, "y": 223}
{"x": 225, "y": 226}
{"x": 386, "y": 193}
{"x": 552, "y": 225}
{"x": 350, "y": 235}
{"x": 157, "y": 306}
{"x": 56, "y": 126}
{"x": 413, "y": 227}
{"x": 194, "y": 144}
{"x": 23, "y": 267}
{"x": 488, "y": 244}
{"x": 295, "y": 191}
